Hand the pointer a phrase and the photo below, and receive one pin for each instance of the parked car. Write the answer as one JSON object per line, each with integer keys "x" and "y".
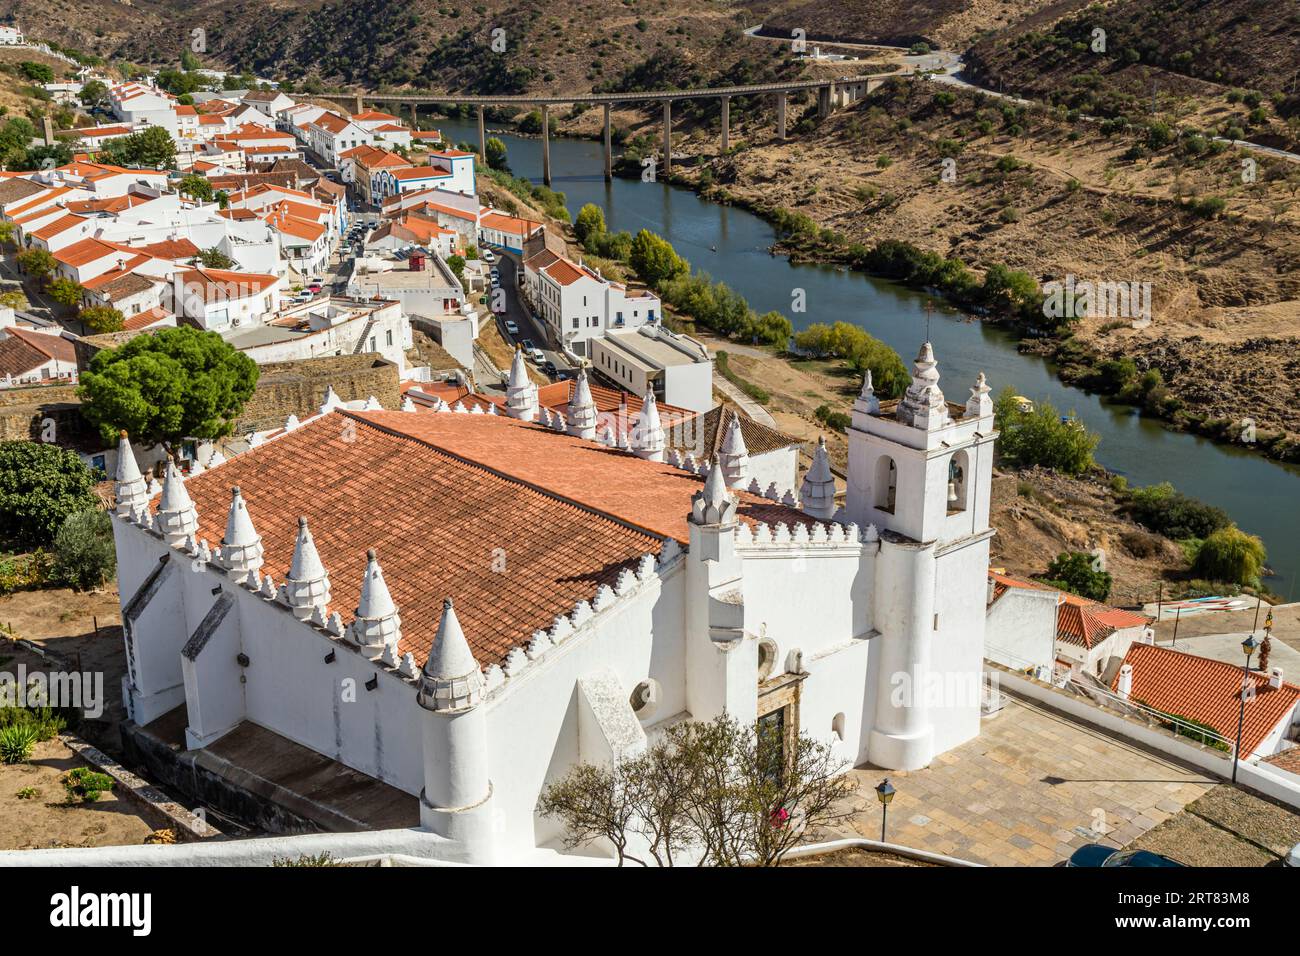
{"x": 511, "y": 328}
{"x": 1095, "y": 854}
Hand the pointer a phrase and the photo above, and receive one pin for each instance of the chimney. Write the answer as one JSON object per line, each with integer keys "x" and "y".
{"x": 1275, "y": 678}
{"x": 1125, "y": 685}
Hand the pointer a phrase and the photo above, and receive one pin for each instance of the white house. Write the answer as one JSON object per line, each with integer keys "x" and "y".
{"x": 1034, "y": 627}
{"x": 651, "y": 357}
{"x": 28, "y": 356}
{"x": 581, "y": 305}
{"x": 329, "y": 135}
{"x": 357, "y": 548}
{"x": 219, "y": 300}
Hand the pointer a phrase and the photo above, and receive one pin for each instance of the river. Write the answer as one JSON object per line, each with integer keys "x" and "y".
{"x": 1260, "y": 495}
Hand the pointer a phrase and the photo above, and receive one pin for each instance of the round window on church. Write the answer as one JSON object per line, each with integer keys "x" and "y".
{"x": 767, "y": 651}
{"x": 645, "y": 699}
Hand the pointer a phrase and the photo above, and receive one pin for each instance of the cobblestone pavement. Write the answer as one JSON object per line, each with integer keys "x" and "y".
{"x": 1029, "y": 791}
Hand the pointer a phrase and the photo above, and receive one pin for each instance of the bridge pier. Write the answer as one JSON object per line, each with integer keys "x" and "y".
{"x": 482, "y": 137}
{"x": 609, "y": 149}
{"x": 546, "y": 145}
{"x": 726, "y": 123}
{"x": 668, "y": 137}
{"x": 780, "y": 114}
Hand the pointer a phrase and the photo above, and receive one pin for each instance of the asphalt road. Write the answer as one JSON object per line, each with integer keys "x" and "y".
{"x": 530, "y": 327}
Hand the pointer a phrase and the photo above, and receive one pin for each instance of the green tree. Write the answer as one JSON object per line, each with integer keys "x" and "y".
{"x": 1073, "y": 571}
{"x": 196, "y": 187}
{"x": 102, "y": 318}
{"x": 773, "y": 328}
{"x": 654, "y": 260}
{"x": 36, "y": 262}
{"x": 1232, "y": 555}
{"x": 93, "y": 94}
{"x": 66, "y": 292}
{"x": 214, "y": 258}
{"x": 152, "y": 148}
{"x": 40, "y": 485}
{"x": 589, "y": 227}
{"x": 496, "y": 154}
{"x": 171, "y": 385}
{"x": 1042, "y": 437}
{"x": 84, "y": 556}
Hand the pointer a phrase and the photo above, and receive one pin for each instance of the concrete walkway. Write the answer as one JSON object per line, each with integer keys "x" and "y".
{"x": 747, "y": 404}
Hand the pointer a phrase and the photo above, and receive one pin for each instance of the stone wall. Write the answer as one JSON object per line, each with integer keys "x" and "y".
{"x": 299, "y": 387}
{"x": 26, "y": 411}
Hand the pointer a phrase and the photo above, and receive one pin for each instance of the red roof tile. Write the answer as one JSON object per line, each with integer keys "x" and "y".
{"x": 1078, "y": 620}
{"x": 569, "y": 515}
{"x": 1208, "y": 691}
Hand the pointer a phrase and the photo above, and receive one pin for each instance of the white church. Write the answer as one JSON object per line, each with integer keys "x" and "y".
{"x": 463, "y": 605}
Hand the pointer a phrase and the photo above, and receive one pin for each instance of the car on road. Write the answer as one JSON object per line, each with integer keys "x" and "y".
{"x": 1095, "y": 854}
{"x": 511, "y": 328}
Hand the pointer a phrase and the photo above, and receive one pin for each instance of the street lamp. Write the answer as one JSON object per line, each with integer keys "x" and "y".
{"x": 1248, "y": 646}
{"x": 885, "y": 793}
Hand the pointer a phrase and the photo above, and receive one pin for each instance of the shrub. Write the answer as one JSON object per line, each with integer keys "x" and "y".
{"x": 1232, "y": 555}
{"x": 1073, "y": 571}
{"x": 40, "y": 485}
{"x": 85, "y": 785}
{"x": 1174, "y": 514}
{"x": 85, "y": 557}
{"x": 16, "y": 743}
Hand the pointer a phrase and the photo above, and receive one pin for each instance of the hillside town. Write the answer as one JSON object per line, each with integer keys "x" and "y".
{"x": 406, "y": 518}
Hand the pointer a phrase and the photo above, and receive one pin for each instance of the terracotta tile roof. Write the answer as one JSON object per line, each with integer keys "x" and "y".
{"x": 710, "y": 430}
{"x": 123, "y": 285}
{"x": 221, "y": 281}
{"x": 437, "y": 544}
{"x": 1208, "y": 691}
{"x": 1288, "y": 760}
{"x": 418, "y": 172}
{"x": 570, "y": 514}
{"x": 565, "y": 272}
{"x": 16, "y": 188}
{"x": 85, "y": 251}
{"x": 1078, "y": 620}
{"x": 171, "y": 249}
{"x": 62, "y": 224}
{"x": 511, "y": 224}
{"x": 142, "y": 320}
{"x": 48, "y": 344}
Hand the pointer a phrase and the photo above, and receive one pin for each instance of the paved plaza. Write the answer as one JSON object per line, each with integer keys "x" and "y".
{"x": 1029, "y": 791}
